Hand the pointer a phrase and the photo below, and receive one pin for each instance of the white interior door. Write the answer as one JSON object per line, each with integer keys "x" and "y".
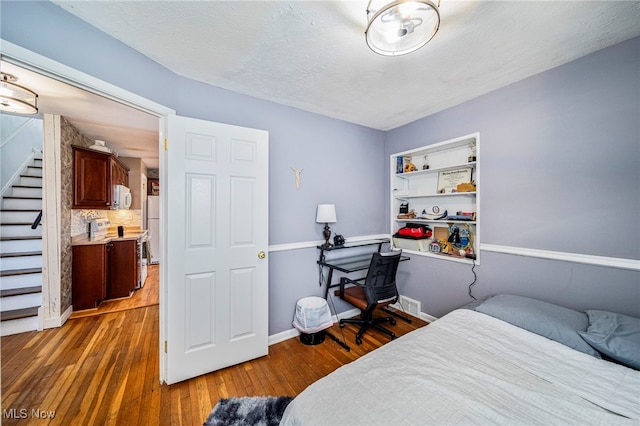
{"x": 217, "y": 223}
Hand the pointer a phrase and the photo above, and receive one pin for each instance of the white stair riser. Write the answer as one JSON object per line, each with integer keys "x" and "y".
{"x": 20, "y": 302}
{"x": 20, "y": 281}
{"x": 33, "y": 171}
{"x": 22, "y": 325}
{"x": 18, "y": 191}
{"x": 18, "y": 216}
{"x": 19, "y": 231}
{"x": 20, "y": 246}
{"x": 29, "y": 181}
{"x": 21, "y": 204}
{"x": 20, "y": 262}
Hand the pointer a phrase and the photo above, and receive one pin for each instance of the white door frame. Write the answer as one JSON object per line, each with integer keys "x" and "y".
{"x": 35, "y": 62}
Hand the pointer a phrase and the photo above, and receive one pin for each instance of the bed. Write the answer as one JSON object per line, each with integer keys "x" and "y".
{"x": 470, "y": 367}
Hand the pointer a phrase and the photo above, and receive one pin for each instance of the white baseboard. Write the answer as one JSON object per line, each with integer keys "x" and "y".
{"x": 293, "y": 332}
{"x": 58, "y": 321}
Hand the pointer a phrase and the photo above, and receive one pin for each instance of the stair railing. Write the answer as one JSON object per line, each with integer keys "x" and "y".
{"x": 38, "y": 220}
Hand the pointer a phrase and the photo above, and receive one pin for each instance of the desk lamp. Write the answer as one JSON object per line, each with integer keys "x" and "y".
{"x": 326, "y": 214}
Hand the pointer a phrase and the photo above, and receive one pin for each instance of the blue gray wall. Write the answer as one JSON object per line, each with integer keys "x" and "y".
{"x": 559, "y": 158}
{"x": 560, "y": 171}
{"x": 20, "y": 136}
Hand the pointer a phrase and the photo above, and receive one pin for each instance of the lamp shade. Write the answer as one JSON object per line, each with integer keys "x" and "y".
{"x": 402, "y": 26}
{"x": 326, "y": 213}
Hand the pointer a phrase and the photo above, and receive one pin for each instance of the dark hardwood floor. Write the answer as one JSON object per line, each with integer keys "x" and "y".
{"x": 104, "y": 370}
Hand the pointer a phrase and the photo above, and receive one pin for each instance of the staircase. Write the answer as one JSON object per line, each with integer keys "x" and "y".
{"x": 21, "y": 252}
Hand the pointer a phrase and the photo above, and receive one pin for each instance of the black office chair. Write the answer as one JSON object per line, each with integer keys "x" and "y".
{"x": 377, "y": 291}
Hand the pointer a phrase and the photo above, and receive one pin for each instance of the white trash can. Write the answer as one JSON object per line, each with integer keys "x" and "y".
{"x": 312, "y": 318}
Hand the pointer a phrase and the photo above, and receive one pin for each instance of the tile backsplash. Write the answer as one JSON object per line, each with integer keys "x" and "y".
{"x": 127, "y": 218}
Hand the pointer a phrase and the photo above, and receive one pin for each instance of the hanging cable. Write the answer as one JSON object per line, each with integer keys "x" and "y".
{"x": 475, "y": 277}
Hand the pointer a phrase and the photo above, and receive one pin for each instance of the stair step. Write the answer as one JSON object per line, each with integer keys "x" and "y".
{"x": 17, "y": 326}
{"x": 30, "y": 180}
{"x": 24, "y": 271}
{"x": 19, "y": 230}
{"x": 20, "y": 262}
{"x": 13, "y": 245}
{"x": 34, "y": 171}
{"x": 20, "y": 203}
{"x": 16, "y": 216}
{"x": 21, "y": 301}
{"x": 26, "y": 191}
{"x": 21, "y": 291}
{"x": 19, "y": 313}
{"x": 21, "y": 281}
{"x": 21, "y": 254}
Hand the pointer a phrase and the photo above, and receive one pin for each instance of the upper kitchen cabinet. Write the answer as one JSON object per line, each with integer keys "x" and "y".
{"x": 94, "y": 173}
{"x": 137, "y": 181}
{"x": 119, "y": 173}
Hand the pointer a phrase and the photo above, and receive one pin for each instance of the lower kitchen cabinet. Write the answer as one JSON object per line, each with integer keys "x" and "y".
{"x": 103, "y": 271}
{"x": 122, "y": 269}
{"x": 89, "y": 275}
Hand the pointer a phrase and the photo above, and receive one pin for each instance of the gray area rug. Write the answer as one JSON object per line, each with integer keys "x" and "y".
{"x": 245, "y": 411}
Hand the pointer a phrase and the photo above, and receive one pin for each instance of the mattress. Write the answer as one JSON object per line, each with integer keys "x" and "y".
{"x": 471, "y": 368}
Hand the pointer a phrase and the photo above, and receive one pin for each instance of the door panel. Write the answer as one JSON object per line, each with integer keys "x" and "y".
{"x": 199, "y": 320}
{"x": 242, "y": 206}
{"x": 217, "y": 286}
{"x": 201, "y": 215}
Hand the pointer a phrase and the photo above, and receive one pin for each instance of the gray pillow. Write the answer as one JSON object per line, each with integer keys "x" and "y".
{"x": 546, "y": 319}
{"x": 615, "y": 335}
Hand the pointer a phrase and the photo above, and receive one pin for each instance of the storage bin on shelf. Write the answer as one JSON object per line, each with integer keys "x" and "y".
{"x": 411, "y": 244}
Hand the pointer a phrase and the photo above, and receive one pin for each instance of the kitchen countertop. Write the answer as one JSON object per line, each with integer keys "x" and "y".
{"x": 83, "y": 240}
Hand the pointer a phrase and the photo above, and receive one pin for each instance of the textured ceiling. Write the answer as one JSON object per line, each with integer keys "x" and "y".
{"x": 312, "y": 54}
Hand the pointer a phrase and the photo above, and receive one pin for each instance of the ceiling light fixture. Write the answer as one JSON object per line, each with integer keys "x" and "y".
{"x": 16, "y": 98}
{"x": 402, "y": 26}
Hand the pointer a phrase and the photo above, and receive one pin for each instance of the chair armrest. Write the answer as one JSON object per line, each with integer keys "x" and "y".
{"x": 344, "y": 281}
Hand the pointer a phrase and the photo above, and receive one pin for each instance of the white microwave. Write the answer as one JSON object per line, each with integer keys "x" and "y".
{"x": 121, "y": 199}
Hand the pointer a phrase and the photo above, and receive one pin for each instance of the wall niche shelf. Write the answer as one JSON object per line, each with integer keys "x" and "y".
{"x": 424, "y": 181}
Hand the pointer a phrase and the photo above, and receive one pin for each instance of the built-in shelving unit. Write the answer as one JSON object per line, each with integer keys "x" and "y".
{"x": 424, "y": 181}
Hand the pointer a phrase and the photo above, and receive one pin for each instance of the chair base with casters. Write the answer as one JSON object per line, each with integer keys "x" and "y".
{"x": 366, "y": 320}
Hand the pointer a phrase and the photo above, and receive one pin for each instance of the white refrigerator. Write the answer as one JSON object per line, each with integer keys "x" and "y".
{"x": 153, "y": 225}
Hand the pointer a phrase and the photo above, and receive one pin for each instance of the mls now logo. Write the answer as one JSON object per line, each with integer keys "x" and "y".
{"x": 23, "y": 413}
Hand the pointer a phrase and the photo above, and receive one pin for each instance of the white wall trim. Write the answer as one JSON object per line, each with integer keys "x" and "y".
{"x": 611, "y": 262}
{"x": 282, "y": 336}
{"x": 52, "y": 222}
{"x": 314, "y": 244}
{"x": 427, "y": 317}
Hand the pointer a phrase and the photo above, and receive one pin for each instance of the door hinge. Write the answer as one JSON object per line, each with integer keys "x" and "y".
{"x": 165, "y": 347}
{"x": 166, "y": 144}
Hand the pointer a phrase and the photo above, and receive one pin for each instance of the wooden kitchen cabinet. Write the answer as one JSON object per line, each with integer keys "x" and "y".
{"x": 103, "y": 271}
{"x": 94, "y": 174}
{"x": 119, "y": 173}
{"x": 123, "y": 269}
{"x": 89, "y": 275}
